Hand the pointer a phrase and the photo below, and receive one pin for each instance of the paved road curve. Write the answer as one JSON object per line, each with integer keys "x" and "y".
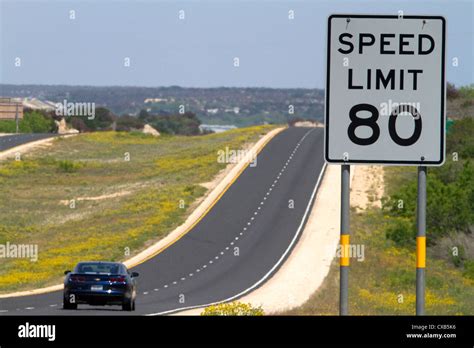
{"x": 9, "y": 141}
{"x": 237, "y": 245}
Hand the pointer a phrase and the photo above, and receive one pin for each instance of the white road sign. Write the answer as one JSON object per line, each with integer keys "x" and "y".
{"x": 385, "y": 90}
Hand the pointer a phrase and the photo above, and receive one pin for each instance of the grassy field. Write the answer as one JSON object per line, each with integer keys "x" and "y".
{"x": 384, "y": 283}
{"x": 102, "y": 196}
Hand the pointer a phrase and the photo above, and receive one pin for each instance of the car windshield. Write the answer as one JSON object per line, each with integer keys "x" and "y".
{"x": 97, "y": 268}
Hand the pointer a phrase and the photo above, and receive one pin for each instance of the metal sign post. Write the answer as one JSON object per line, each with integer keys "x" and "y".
{"x": 421, "y": 241}
{"x": 344, "y": 258}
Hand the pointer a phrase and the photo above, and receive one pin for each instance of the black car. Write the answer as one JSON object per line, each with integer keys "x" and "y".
{"x": 100, "y": 283}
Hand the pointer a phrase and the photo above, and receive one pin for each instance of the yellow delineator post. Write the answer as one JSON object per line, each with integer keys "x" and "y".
{"x": 344, "y": 259}
{"x": 420, "y": 252}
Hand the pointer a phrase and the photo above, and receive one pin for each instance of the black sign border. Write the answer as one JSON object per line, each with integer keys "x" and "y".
{"x": 443, "y": 96}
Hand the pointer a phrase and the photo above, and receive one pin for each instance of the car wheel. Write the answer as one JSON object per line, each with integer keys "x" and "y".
{"x": 69, "y": 305}
{"x": 128, "y": 305}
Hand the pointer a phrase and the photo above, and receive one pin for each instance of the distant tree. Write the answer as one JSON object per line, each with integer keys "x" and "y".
{"x": 37, "y": 122}
{"x": 186, "y": 124}
{"x": 143, "y": 115}
{"x": 451, "y": 91}
{"x": 467, "y": 92}
{"x": 33, "y": 121}
{"x": 103, "y": 120}
{"x": 78, "y": 123}
{"x": 128, "y": 123}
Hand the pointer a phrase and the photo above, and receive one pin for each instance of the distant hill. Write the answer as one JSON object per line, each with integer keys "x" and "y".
{"x": 221, "y": 106}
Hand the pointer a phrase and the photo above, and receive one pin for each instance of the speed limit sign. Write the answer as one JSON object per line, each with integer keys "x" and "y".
{"x": 385, "y": 90}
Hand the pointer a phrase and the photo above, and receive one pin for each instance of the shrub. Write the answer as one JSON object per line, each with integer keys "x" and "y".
{"x": 7, "y": 126}
{"x": 460, "y": 257}
{"x": 450, "y": 206}
{"x": 467, "y": 91}
{"x": 68, "y": 166}
{"x": 402, "y": 231}
{"x": 469, "y": 269}
{"x": 32, "y": 122}
{"x": 460, "y": 138}
{"x": 36, "y": 122}
{"x": 407, "y": 195}
{"x": 446, "y": 208}
{"x": 467, "y": 103}
{"x": 233, "y": 308}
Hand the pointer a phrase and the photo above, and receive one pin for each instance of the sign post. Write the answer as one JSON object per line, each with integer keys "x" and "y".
{"x": 421, "y": 241}
{"x": 345, "y": 233}
{"x": 385, "y": 104}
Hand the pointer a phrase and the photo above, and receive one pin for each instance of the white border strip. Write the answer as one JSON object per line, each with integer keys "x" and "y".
{"x": 270, "y": 272}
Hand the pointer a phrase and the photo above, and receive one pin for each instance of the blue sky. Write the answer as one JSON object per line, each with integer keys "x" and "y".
{"x": 199, "y": 50}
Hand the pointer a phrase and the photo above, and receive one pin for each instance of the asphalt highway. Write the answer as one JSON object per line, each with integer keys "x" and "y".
{"x": 235, "y": 248}
{"x": 9, "y": 141}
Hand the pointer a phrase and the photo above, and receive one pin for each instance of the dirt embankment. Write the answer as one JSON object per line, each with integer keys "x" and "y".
{"x": 367, "y": 187}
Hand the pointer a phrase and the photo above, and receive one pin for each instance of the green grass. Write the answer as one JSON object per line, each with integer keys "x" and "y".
{"x": 119, "y": 205}
{"x": 384, "y": 283}
{"x": 399, "y": 176}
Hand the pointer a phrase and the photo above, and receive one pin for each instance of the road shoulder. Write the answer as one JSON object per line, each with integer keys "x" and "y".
{"x": 309, "y": 262}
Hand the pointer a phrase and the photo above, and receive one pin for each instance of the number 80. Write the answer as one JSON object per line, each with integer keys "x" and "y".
{"x": 372, "y": 123}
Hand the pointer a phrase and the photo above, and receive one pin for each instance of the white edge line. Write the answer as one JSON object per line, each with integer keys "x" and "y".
{"x": 270, "y": 272}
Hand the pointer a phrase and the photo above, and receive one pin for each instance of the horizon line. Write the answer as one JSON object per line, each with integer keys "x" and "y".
{"x": 168, "y": 86}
